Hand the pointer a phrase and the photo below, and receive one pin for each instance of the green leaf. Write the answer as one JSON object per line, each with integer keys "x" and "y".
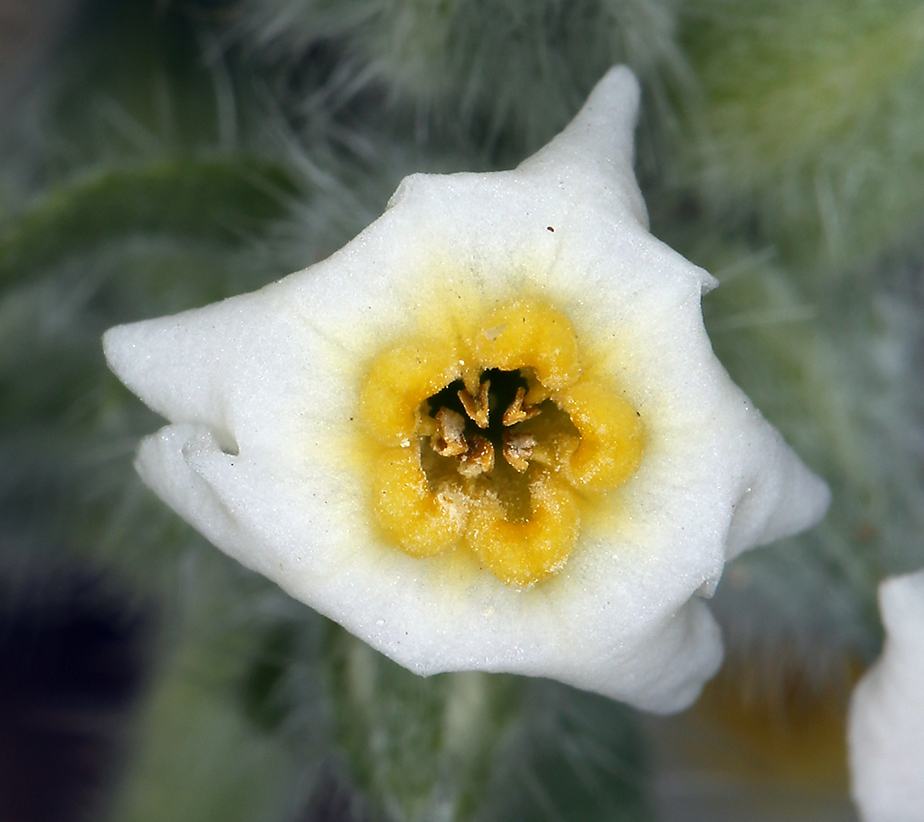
{"x": 225, "y": 200}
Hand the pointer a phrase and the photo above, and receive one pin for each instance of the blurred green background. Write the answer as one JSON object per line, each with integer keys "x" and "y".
{"x": 156, "y": 156}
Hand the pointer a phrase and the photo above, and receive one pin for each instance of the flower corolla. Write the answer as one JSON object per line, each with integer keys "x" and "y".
{"x": 885, "y": 730}
{"x": 489, "y": 433}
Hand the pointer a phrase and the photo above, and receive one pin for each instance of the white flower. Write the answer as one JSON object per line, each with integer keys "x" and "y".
{"x": 886, "y": 721}
{"x": 327, "y": 431}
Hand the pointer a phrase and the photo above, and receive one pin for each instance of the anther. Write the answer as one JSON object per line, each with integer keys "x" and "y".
{"x": 449, "y": 440}
{"x": 477, "y": 407}
{"x": 479, "y": 459}
{"x": 518, "y": 448}
{"x": 517, "y": 412}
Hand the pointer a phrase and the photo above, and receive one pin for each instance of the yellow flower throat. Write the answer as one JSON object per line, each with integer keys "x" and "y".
{"x": 494, "y": 440}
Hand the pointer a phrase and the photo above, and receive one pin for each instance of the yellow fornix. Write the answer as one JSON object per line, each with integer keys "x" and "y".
{"x": 493, "y": 440}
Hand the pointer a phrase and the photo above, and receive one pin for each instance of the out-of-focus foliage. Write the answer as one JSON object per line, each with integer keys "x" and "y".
{"x": 166, "y": 155}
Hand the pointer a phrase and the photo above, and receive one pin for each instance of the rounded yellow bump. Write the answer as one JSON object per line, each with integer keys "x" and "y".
{"x": 399, "y": 380}
{"x": 525, "y": 552}
{"x": 527, "y": 334}
{"x": 422, "y": 522}
{"x": 611, "y": 441}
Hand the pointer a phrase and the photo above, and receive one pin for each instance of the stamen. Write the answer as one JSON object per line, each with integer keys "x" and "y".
{"x": 518, "y": 448}
{"x": 479, "y": 459}
{"x": 517, "y": 412}
{"x": 449, "y": 440}
{"x": 477, "y": 407}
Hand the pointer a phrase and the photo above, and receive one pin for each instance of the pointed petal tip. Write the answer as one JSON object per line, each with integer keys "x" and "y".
{"x": 782, "y": 499}
{"x": 117, "y": 348}
{"x": 165, "y": 462}
{"x": 804, "y": 501}
{"x": 619, "y": 87}
{"x": 612, "y": 108}
{"x": 599, "y": 143}
{"x": 179, "y": 366}
{"x": 133, "y": 358}
{"x": 822, "y": 499}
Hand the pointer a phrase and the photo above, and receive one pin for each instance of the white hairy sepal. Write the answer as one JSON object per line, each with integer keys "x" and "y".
{"x": 886, "y": 721}
{"x": 262, "y": 393}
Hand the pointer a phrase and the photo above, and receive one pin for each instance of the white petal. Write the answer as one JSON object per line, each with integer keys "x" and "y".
{"x": 886, "y": 722}
{"x": 263, "y": 388}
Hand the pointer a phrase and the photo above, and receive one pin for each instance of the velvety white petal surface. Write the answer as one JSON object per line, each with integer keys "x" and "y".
{"x": 262, "y": 393}
{"x": 886, "y": 722}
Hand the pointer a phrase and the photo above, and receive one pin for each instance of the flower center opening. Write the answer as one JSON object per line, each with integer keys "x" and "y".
{"x": 492, "y": 436}
{"x": 494, "y": 440}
